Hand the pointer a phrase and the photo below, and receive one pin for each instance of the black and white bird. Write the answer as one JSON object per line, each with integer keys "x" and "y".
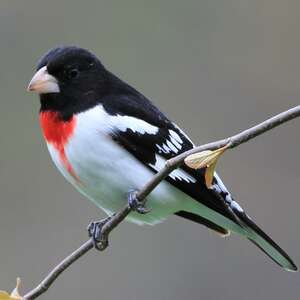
{"x": 107, "y": 139}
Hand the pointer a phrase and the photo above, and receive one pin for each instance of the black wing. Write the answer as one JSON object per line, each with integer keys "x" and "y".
{"x": 167, "y": 142}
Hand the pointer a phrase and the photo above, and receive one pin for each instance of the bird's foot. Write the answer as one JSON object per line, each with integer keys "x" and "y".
{"x": 135, "y": 204}
{"x": 95, "y": 232}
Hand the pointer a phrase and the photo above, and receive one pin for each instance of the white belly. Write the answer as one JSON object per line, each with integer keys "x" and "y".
{"x": 107, "y": 172}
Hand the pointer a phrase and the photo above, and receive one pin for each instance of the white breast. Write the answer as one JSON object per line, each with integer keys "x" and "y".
{"x": 107, "y": 172}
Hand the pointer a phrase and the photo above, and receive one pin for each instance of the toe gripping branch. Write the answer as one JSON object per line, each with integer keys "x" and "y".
{"x": 100, "y": 241}
{"x": 95, "y": 232}
{"x": 135, "y": 204}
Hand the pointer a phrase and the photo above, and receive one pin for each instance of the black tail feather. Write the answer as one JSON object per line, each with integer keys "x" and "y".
{"x": 198, "y": 219}
{"x": 265, "y": 243}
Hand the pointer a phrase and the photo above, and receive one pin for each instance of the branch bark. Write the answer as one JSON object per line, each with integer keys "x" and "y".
{"x": 171, "y": 164}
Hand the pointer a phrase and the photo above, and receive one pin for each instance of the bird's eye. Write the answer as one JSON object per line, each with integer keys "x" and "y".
{"x": 73, "y": 73}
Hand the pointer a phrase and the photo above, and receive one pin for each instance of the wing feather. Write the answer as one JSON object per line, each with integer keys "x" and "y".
{"x": 153, "y": 149}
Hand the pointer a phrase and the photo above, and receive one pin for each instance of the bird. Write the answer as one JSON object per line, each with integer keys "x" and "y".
{"x": 107, "y": 139}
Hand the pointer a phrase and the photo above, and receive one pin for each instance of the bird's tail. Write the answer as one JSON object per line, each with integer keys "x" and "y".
{"x": 246, "y": 227}
{"x": 265, "y": 243}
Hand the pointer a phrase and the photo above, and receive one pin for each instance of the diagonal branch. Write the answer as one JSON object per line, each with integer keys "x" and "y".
{"x": 171, "y": 164}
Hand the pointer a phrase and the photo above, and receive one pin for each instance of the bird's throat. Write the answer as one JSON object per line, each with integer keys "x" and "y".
{"x": 58, "y": 133}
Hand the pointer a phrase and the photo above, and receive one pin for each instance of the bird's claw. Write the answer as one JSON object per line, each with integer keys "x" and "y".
{"x": 100, "y": 242}
{"x": 135, "y": 204}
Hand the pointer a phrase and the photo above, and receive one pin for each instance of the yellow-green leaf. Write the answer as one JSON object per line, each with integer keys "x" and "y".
{"x": 4, "y": 295}
{"x": 15, "y": 295}
{"x": 205, "y": 159}
{"x": 209, "y": 174}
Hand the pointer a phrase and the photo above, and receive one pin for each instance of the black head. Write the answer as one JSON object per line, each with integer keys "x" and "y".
{"x": 69, "y": 79}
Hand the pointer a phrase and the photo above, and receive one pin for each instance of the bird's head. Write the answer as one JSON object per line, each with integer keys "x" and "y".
{"x": 68, "y": 79}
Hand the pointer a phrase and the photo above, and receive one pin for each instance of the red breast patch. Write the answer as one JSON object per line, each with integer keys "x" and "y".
{"x": 58, "y": 132}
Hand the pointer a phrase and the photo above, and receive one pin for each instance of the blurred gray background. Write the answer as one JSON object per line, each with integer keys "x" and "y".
{"x": 214, "y": 66}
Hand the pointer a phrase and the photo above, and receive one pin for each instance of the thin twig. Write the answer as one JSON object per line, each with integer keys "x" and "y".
{"x": 54, "y": 273}
{"x": 171, "y": 164}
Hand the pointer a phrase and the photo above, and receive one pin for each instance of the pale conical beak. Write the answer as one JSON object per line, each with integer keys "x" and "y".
{"x": 43, "y": 83}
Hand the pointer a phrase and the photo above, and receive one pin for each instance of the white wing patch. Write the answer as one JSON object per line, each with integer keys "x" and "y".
{"x": 175, "y": 143}
{"x": 166, "y": 149}
{"x": 183, "y": 133}
{"x": 175, "y": 136}
{"x": 124, "y": 123}
{"x": 177, "y": 174}
{"x": 220, "y": 187}
{"x": 172, "y": 144}
{"x": 236, "y": 206}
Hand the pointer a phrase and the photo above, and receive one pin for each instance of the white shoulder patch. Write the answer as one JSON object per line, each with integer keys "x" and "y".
{"x": 124, "y": 123}
{"x": 105, "y": 122}
{"x": 177, "y": 174}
